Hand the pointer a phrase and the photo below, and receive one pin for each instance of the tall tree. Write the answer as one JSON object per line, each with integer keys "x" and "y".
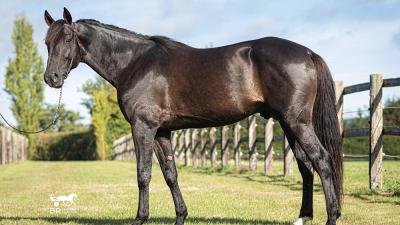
{"x": 24, "y": 79}
{"x": 107, "y": 120}
{"x": 100, "y": 110}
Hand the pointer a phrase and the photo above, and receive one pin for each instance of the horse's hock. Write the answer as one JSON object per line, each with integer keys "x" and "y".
{"x": 13, "y": 146}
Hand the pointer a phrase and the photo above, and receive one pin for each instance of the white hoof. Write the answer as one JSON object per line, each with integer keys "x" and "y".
{"x": 303, "y": 221}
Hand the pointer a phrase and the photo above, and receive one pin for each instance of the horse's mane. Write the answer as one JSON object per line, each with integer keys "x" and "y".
{"x": 164, "y": 42}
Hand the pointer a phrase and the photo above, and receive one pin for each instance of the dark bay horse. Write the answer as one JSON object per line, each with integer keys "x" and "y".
{"x": 164, "y": 85}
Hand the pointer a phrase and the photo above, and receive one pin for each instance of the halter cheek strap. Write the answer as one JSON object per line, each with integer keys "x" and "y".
{"x": 75, "y": 61}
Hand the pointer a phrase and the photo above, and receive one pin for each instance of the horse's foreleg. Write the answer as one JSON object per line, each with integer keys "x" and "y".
{"x": 143, "y": 136}
{"x": 165, "y": 156}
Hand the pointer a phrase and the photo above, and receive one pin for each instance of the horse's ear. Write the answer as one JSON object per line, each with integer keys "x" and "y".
{"x": 67, "y": 16}
{"x": 49, "y": 20}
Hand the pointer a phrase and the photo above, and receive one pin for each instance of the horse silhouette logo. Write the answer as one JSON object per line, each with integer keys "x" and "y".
{"x": 66, "y": 200}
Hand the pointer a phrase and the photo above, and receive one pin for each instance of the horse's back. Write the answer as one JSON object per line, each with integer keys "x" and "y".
{"x": 222, "y": 85}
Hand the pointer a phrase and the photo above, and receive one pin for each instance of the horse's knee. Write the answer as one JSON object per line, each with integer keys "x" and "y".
{"x": 144, "y": 179}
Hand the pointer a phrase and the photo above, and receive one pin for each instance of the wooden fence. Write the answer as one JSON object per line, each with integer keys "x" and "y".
{"x": 192, "y": 145}
{"x": 13, "y": 146}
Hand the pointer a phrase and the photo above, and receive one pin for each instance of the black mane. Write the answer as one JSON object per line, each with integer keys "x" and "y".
{"x": 162, "y": 41}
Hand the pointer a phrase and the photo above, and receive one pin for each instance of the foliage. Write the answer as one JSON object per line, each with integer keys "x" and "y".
{"x": 359, "y": 121}
{"x": 24, "y": 78}
{"x": 66, "y": 122}
{"x": 65, "y": 146}
{"x": 360, "y": 145}
{"x": 391, "y": 114}
{"x": 107, "y": 120}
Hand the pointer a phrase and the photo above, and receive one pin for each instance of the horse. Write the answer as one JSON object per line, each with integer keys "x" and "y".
{"x": 165, "y": 85}
{"x": 66, "y": 200}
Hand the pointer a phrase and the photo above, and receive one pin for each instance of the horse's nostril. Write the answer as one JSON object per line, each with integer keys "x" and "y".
{"x": 56, "y": 75}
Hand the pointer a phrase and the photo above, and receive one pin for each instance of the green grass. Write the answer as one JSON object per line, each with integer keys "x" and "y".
{"x": 107, "y": 194}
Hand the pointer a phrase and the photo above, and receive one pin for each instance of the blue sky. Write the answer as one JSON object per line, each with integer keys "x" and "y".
{"x": 355, "y": 37}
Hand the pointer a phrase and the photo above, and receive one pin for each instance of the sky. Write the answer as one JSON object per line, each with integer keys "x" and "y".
{"x": 355, "y": 37}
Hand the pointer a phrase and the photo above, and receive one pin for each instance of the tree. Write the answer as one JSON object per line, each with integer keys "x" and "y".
{"x": 67, "y": 120}
{"x": 391, "y": 115}
{"x": 24, "y": 79}
{"x": 107, "y": 120}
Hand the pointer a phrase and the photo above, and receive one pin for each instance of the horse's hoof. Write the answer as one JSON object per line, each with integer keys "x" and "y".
{"x": 331, "y": 222}
{"x": 180, "y": 220}
{"x": 138, "y": 222}
{"x": 303, "y": 221}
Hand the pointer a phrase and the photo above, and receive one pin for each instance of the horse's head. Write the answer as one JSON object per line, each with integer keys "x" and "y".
{"x": 63, "y": 49}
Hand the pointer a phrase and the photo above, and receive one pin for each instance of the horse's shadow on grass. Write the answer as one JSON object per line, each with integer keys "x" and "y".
{"x": 276, "y": 180}
{"x": 152, "y": 220}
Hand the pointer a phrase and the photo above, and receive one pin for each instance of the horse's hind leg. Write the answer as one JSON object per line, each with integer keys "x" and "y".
{"x": 165, "y": 156}
{"x": 307, "y": 173}
{"x": 298, "y": 125}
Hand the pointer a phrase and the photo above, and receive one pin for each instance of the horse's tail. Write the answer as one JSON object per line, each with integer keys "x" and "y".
{"x": 326, "y": 124}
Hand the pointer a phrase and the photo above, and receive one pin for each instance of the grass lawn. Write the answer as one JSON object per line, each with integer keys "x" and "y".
{"x": 107, "y": 194}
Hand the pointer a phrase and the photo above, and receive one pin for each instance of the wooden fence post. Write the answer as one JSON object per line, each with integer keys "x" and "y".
{"x": 187, "y": 147}
{"x": 339, "y": 88}
{"x": 224, "y": 146}
{"x": 26, "y": 148}
{"x": 181, "y": 147}
{"x": 236, "y": 144}
{"x": 2, "y": 146}
{"x": 288, "y": 158}
{"x": 13, "y": 146}
{"x": 9, "y": 146}
{"x": 268, "y": 143}
{"x": 203, "y": 149}
{"x": 252, "y": 142}
{"x": 195, "y": 144}
{"x": 174, "y": 141}
{"x": 213, "y": 147}
{"x": 376, "y": 132}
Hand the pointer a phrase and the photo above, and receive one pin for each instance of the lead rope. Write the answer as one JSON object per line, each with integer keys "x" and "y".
{"x": 44, "y": 129}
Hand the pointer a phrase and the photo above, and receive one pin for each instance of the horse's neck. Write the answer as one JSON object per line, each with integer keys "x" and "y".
{"x": 108, "y": 52}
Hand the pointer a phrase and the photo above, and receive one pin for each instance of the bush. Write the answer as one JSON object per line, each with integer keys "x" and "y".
{"x": 66, "y": 146}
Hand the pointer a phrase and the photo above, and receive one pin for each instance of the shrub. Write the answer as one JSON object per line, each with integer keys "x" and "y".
{"x": 66, "y": 146}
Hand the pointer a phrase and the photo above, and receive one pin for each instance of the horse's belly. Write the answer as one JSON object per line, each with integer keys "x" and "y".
{"x": 226, "y": 112}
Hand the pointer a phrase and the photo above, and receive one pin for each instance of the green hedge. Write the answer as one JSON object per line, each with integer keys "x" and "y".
{"x": 66, "y": 146}
{"x": 360, "y": 145}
